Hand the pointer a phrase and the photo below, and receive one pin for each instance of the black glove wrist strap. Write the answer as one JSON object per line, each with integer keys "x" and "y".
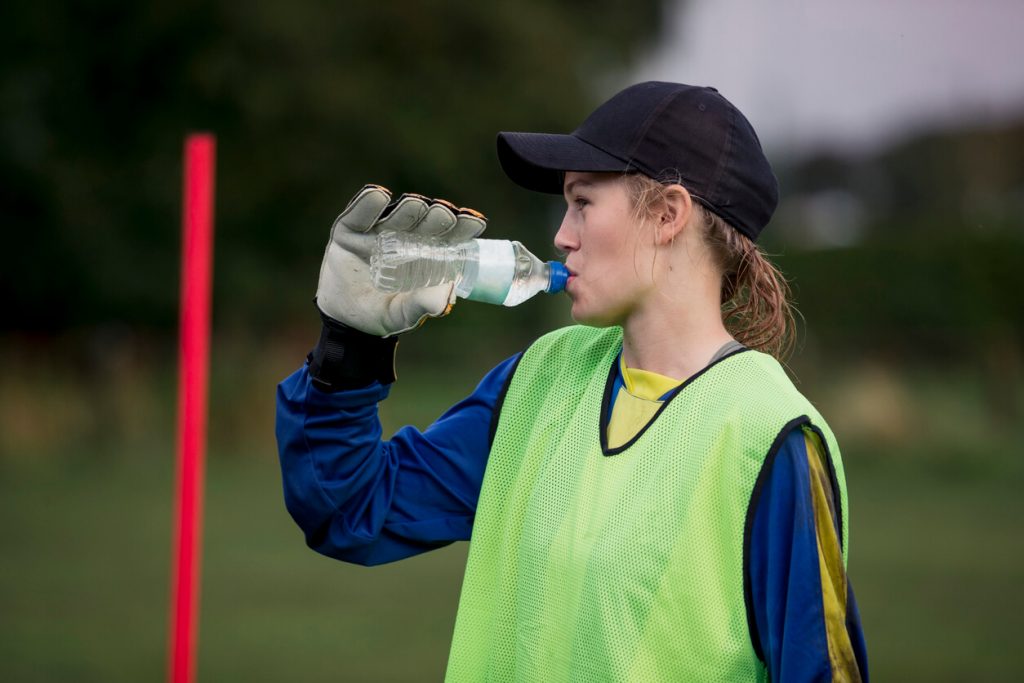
{"x": 346, "y": 358}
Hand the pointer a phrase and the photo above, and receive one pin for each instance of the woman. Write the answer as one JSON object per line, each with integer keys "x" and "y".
{"x": 649, "y": 497}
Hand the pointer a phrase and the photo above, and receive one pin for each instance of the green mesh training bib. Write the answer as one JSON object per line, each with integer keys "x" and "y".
{"x": 627, "y": 567}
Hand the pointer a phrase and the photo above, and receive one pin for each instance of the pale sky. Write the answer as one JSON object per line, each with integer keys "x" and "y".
{"x": 851, "y": 74}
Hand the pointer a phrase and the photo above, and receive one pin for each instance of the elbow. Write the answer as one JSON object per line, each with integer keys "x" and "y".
{"x": 367, "y": 548}
{"x": 347, "y": 547}
{"x": 347, "y": 536}
{"x": 324, "y": 532}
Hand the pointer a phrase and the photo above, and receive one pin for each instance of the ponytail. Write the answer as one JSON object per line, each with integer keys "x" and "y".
{"x": 756, "y": 306}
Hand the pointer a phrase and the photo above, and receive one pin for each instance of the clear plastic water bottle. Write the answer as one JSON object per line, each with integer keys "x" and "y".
{"x": 492, "y": 271}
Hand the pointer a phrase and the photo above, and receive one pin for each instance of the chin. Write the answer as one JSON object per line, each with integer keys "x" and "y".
{"x": 593, "y": 318}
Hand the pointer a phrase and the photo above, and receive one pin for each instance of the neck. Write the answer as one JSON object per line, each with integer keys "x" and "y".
{"x": 674, "y": 337}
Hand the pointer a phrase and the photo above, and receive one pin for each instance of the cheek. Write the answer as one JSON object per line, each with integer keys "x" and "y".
{"x": 611, "y": 246}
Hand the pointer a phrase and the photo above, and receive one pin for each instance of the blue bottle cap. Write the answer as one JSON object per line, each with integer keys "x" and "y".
{"x": 558, "y": 277}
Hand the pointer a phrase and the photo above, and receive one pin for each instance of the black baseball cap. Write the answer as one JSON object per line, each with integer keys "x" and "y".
{"x": 668, "y": 131}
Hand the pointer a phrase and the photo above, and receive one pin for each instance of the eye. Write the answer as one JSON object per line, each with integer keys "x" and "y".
{"x": 581, "y": 202}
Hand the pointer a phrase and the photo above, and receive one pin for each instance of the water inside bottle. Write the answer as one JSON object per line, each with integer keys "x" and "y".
{"x": 403, "y": 263}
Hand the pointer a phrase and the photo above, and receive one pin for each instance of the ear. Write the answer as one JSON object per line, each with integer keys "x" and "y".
{"x": 676, "y": 213}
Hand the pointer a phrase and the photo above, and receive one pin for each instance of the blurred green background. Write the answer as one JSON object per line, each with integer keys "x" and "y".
{"x": 905, "y": 260}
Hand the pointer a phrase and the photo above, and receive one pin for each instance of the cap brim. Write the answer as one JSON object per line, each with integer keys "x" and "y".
{"x": 538, "y": 161}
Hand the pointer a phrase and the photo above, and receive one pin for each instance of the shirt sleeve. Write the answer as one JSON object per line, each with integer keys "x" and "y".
{"x": 362, "y": 499}
{"x": 808, "y": 626}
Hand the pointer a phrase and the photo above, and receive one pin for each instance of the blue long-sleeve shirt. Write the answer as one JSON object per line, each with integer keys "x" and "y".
{"x": 362, "y": 499}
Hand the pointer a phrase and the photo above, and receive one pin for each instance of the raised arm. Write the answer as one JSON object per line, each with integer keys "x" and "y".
{"x": 361, "y": 499}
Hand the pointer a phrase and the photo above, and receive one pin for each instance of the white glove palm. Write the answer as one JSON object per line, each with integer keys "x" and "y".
{"x": 345, "y": 291}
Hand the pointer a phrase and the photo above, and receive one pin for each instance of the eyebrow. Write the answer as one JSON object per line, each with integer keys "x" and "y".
{"x": 580, "y": 182}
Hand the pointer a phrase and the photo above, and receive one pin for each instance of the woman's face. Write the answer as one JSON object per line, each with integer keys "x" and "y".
{"x": 608, "y": 262}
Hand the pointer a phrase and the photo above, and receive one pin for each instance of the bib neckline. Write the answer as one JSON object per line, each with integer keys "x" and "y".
{"x": 609, "y": 387}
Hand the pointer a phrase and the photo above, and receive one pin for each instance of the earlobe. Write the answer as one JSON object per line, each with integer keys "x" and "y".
{"x": 678, "y": 211}
{"x": 666, "y": 231}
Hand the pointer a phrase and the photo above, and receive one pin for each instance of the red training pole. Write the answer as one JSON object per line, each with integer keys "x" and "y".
{"x": 193, "y": 375}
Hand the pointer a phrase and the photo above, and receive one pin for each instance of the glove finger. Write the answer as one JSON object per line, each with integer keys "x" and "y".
{"x": 403, "y": 214}
{"x": 438, "y": 220}
{"x": 468, "y": 224}
{"x": 364, "y": 209}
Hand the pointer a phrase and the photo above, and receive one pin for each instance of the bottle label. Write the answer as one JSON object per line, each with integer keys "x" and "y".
{"x": 497, "y": 270}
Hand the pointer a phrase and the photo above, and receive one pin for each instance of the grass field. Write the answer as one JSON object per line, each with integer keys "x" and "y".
{"x": 936, "y": 555}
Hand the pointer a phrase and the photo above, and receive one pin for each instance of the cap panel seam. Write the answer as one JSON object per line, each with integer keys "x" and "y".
{"x": 649, "y": 121}
{"x": 713, "y": 186}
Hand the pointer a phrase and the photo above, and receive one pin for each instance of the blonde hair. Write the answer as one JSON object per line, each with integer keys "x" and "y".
{"x": 755, "y": 296}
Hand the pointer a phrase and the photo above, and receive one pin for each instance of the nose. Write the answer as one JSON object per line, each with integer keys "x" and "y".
{"x": 566, "y": 239}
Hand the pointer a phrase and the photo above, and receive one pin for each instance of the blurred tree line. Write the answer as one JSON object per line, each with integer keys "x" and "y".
{"x": 309, "y": 101}
{"x": 914, "y": 251}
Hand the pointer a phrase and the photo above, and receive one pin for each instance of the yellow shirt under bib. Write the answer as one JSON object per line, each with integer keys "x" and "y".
{"x": 637, "y": 402}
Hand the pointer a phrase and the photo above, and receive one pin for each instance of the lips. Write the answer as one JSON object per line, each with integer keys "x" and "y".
{"x": 571, "y": 280}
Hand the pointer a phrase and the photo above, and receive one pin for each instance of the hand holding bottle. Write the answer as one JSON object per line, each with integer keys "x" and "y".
{"x": 345, "y": 292}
